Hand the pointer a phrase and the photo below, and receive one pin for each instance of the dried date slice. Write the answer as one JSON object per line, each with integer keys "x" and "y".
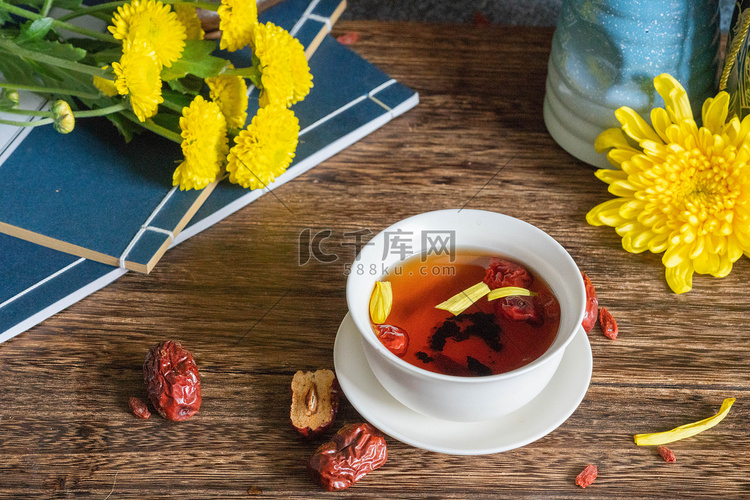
{"x": 394, "y": 338}
{"x": 503, "y": 272}
{"x": 353, "y": 451}
{"x": 315, "y": 401}
{"x": 592, "y": 305}
{"x": 138, "y": 408}
{"x": 172, "y": 381}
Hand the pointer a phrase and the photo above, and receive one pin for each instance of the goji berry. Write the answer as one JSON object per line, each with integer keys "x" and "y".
{"x": 587, "y": 476}
{"x": 608, "y": 324}
{"x": 348, "y": 38}
{"x": 666, "y": 454}
{"x": 592, "y": 305}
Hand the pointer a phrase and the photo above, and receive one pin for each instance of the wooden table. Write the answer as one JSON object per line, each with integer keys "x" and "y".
{"x": 237, "y": 297}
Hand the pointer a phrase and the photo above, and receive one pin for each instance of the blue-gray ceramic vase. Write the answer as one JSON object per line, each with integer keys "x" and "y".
{"x": 606, "y": 53}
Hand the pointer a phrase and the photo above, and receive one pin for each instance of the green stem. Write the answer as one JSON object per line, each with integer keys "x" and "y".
{"x": 100, "y": 111}
{"x": 15, "y": 50}
{"x": 106, "y": 7}
{"x": 45, "y": 8}
{"x": 77, "y": 114}
{"x": 153, "y": 127}
{"x": 49, "y": 90}
{"x": 56, "y": 23}
{"x": 27, "y": 112}
{"x": 33, "y": 123}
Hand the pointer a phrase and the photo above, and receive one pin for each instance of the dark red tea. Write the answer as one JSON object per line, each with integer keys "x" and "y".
{"x": 489, "y": 337}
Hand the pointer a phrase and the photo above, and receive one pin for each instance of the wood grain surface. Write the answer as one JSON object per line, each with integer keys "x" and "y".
{"x": 238, "y": 298}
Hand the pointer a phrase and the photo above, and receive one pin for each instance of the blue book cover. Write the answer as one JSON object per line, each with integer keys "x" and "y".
{"x": 350, "y": 99}
{"x": 90, "y": 194}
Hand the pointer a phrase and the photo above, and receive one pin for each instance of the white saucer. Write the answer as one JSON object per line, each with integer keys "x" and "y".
{"x": 537, "y": 419}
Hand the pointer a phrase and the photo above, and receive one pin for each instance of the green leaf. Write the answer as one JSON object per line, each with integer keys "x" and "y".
{"x": 167, "y": 120}
{"x": 190, "y": 84}
{"x": 34, "y": 30}
{"x": 196, "y": 60}
{"x": 56, "y": 49}
{"x": 5, "y": 18}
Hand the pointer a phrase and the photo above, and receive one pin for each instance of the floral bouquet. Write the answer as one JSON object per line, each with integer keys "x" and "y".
{"x": 154, "y": 71}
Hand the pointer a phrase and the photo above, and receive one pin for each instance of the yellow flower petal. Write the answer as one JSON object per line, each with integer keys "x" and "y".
{"x": 609, "y": 176}
{"x": 607, "y": 213}
{"x": 675, "y": 97}
{"x": 612, "y": 138}
{"x": 680, "y": 277}
{"x": 509, "y": 291}
{"x": 635, "y": 126}
{"x": 715, "y": 112}
{"x": 465, "y": 299}
{"x": 660, "y": 121}
{"x": 381, "y": 301}
{"x": 685, "y": 431}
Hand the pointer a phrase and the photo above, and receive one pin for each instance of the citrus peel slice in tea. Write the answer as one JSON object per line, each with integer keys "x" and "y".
{"x": 684, "y": 431}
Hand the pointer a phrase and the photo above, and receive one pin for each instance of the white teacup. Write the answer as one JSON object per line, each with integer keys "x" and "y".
{"x": 456, "y": 398}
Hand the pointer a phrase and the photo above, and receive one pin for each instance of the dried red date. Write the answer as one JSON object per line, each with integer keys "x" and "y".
{"x": 517, "y": 308}
{"x": 172, "y": 381}
{"x": 608, "y": 324}
{"x": 547, "y": 306}
{"x": 587, "y": 476}
{"x": 592, "y": 305}
{"x": 666, "y": 454}
{"x": 503, "y": 272}
{"x": 315, "y": 401}
{"x": 138, "y": 408}
{"x": 395, "y": 339}
{"x": 353, "y": 451}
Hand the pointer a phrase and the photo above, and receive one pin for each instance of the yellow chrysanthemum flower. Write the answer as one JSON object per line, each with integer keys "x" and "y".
{"x": 238, "y": 19}
{"x": 153, "y": 23}
{"x": 230, "y": 93}
{"x": 189, "y": 18}
{"x": 681, "y": 189}
{"x": 105, "y": 86}
{"x": 301, "y": 75}
{"x": 138, "y": 77}
{"x": 204, "y": 144}
{"x": 285, "y": 75}
{"x": 265, "y": 148}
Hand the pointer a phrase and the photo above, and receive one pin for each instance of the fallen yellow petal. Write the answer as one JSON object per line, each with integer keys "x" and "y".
{"x": 381, "y": 301}
{"x": 507, "y": 291}
{"x": 684, "y": 431}
{"x": 463, "y": 300}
